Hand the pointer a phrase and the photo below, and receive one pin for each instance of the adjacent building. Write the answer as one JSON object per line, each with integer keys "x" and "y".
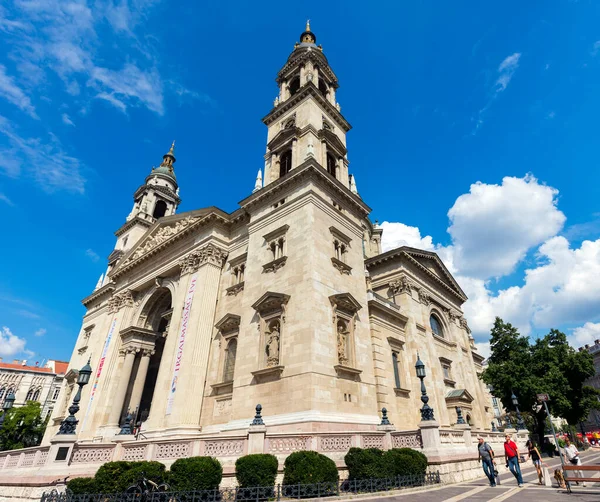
{"x": 288, "y": 301}
{"x": 593, "y": 420}
{"x": 32, "y": 383}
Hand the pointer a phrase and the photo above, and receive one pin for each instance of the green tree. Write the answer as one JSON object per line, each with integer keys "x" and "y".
{"x": 548, "y": 366}
{"x": 23, "y": 427}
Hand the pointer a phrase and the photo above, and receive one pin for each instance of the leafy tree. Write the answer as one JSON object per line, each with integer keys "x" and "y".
{"x": 23, "y": 427}
{"x": 548, "y": 366}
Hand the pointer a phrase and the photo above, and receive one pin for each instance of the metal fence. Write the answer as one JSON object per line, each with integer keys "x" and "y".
{"x": 256, "y": 494}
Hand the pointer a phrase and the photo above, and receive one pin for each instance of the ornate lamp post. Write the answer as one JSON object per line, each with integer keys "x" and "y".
{"x": 69, "y": 424}
{"x": 426, "y": 410}
{"x": 8, "y": 404}
{"x": 515, "y": 401}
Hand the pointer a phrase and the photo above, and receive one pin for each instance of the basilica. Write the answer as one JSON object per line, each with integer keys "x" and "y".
{"x": 287, "y": 302}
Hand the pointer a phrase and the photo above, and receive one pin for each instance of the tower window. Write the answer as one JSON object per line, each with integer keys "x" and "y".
{"x": 229, "y": 366}
{"x": 294, "y": 85}
{"x": 436, "y": 326}
{"x": 331, "y": 164}
{"x": 323, "y": 87}
{"x": 160, "y": 209}
{"x": 285, "y": 163}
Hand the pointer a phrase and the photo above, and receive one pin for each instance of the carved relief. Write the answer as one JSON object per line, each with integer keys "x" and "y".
{"x": 120, "y": 300}
{"x": 171, "y": 450}
{"x": 336, "y": 443}
{"x": 208, "y": 254}
{"x": 401, "y": 285}
{"x": 342, "y": 342}
{"x": 162, "y": 235}
{"x": 92, "y": 455}
{"x": 226, "y": 448}
{"x": 222, "y": 407}
{"x": 424, "y": 297}
{"x": 454, "y": 316}
{"x": 289, "y": 444}
{"x": 135, "y": 453}
{"x": 411, "y": 440}
{"x": 464, "y": 324}
{"x": 372, "y": 442}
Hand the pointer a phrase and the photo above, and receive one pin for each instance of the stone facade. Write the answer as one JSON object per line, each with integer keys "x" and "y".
{"x": 287, "y": 302}
{"x": 592, "y": 423}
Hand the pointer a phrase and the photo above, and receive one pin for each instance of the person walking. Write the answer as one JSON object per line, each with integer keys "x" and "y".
{"x": 536, "y": 458}
{"x": 511, "y": 453}
{"x": 572, "y": 454}
{"x": 486, "y": 457}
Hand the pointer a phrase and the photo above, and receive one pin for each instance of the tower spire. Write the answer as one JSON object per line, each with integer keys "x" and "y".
{"x": 259, "y": 183}
{"x": 307, "y": 25}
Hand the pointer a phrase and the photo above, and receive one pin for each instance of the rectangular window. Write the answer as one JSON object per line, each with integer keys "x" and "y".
{"x": 446, "y": 370}
{"x": 396, "y": 370}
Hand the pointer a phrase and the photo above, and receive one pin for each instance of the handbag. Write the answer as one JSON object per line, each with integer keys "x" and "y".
{"x": 574, "y": 460}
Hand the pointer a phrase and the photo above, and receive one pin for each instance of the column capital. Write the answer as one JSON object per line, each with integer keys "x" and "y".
{"x": 147, "y": 352}
{"x": 128, "y": 350}
{"x": 119, "y": 300}
{"x": 208, "y": 254}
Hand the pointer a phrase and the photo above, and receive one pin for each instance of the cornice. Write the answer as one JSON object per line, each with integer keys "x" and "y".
{"x": 104, "y": 290}
{"x": 131, "y": 223}
{"x": 308, "y": 89}
{"x": 310, "y": 168}
{"x": 296, "y": 59}
{"x": 158, "y": 188}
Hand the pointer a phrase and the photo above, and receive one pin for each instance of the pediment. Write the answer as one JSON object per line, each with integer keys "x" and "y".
{"x": 459, "y": 395}
{"x": 229, "y": 323}
{"x": 345, "y": 302}
{"x": 271, "y": 301}
{"x": 164, "y": 232}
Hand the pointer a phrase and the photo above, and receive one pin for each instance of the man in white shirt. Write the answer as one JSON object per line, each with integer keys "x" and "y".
{"x": 572, "y": 455}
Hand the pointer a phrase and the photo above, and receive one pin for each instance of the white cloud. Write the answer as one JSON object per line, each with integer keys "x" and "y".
{"x": 585, "y": 335}
{"x": 506, "y": 70}
{"x": 493, "y": 226}
{"x": 92, "y": 255}
{"x": 67, "y": 120}
{"x": 10, "y": 345}
{"x": 14, "y": 94}
{"x": 398, "y": 234}
{"x": 40, "y": 332}
{"x": 44, "y": 159}
{"x": 4, "y": 198}
{"x": 596, "y": 47}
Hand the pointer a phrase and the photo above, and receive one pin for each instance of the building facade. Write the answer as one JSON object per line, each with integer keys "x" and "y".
{"x": 288, "y": 301}
{"x": 593, "y": 420}
{"x": 32, "y": 383}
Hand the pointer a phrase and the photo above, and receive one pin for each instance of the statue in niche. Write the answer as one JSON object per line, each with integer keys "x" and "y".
{"x": 272, "y": 348}
{"x": 342, "y": 343}
{"x": 310, "y": 149}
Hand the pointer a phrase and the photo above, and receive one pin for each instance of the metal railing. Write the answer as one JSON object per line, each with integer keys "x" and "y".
{"x": 257, "y": 494}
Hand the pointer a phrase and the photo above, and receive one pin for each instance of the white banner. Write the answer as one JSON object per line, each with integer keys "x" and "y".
{"x": 100, "y": 366}
{"x": 185, "y": 318}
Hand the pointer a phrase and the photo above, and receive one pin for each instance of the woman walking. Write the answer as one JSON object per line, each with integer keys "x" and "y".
{"x": 536, "y": 458}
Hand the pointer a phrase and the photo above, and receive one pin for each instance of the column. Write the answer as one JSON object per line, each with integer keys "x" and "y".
{"x": 124, "y": 377}
{"x": 140, "y": 379}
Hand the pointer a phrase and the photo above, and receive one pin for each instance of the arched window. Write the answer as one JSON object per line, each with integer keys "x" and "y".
{"x": 323, "y": 87}
{"x": 29, "y": 396}
{"x": 331, "y": 164}
{"x": 436, "y": 326}
{"x": 160, "y": 209}
{"x": 294, "y": 85}
{"x": 396, "y": 370}
{"x": 285, "y": 163}
{"x": 36, "y": 395}
{"x": 469, "y": 422}
{"x": 2, "y": 392}
{"x": 229, "y": 366}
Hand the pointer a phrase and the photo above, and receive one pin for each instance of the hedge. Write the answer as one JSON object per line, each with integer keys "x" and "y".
{"x": 365, "y": 463}
{"x": 116, "y": 477}
{"x": 81, "y": 486}
{"x": 195, "y": 473}
{"x": 404, "y": 462}
{"x": 256, "y": 470}
{"x": 309, "y": 467}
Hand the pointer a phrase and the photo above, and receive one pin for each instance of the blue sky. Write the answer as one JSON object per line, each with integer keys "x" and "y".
{"x": 475, "y": 135}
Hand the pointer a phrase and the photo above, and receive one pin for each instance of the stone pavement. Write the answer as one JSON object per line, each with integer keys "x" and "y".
{"x": 479, "y": 490}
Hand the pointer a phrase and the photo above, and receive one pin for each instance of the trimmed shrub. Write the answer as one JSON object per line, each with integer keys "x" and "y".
{"x": 309, "y": 467}
{"x": 154, "y": 471}
{"x": 256, "y": 470}
{"x": 404, "y": 462}
{"x": 116, "y": 477}
{"x": 107, "y": 476}
{"x": 195, "y": 473}
{"x": 365, "y": 463}
{"x": 81, "y": 486}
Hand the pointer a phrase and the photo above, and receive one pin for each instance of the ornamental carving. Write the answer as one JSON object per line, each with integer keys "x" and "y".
{"x": 454, "y": 316}
{"x": 372, "y": 442}
{"x": 42, "y": 458}
{"x": 92, "y": 455}
{"x": 208, "y": 254}
{"x": 163, "y": 234}
{"x": 171, "y": 450}
{"x": 222, "y": 407}
{"x": 411, "y": 440}
{"x": 424, "y": 298}
{"x": 402, "y": 285}
{"x": 336, "y": 443}
{"x": 289, "y": 444}
{"x": 226, "y": 448}
{"x": 135, "y": 453}
{"x": 28, "y": 459}
{"x": 120, "y": 300}
{"x": 464, "y": 324}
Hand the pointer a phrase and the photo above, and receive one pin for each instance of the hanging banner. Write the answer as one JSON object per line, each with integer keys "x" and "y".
{"x": 100, "y": 366}
{"x": 185, "y": 318}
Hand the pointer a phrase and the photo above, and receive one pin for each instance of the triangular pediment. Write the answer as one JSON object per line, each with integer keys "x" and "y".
{"x": 461, "y": 395}
{"x": 229, "y": 323}
{"x": 270, "y": 302}
{"x": 346, "y": 302}
{"x": 166, "y": 231}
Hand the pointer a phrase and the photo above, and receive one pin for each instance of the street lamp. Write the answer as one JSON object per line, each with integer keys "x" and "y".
{"x": 69, "y": 424}
{"x": 8, "y": 404}
{"x": 515, "y": 401}
{"x": 426, "y": 410}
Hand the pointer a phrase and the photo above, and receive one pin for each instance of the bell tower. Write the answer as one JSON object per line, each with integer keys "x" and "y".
{"x": 156, "y": 198}
{"x": 306, "y": 120}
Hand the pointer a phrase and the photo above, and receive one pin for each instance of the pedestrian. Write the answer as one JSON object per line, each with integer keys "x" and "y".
{"x": 511, "y": 453}
{"x": 536, "y": 458}
{"x": 486, "y": 457}
{"x": 572, "y": 454}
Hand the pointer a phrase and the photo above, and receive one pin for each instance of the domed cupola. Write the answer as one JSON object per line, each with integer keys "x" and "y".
{"x": 166, "y": 170}
{"x": 308, "y": 37}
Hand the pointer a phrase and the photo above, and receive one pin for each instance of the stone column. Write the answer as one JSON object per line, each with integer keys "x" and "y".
{"x": 140, "y": 379}
{"x": 207, "y": 262}
{"x": 256, "y": 439}
{"x": 430, "y": 434}
{"x": 124, "y": 376}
